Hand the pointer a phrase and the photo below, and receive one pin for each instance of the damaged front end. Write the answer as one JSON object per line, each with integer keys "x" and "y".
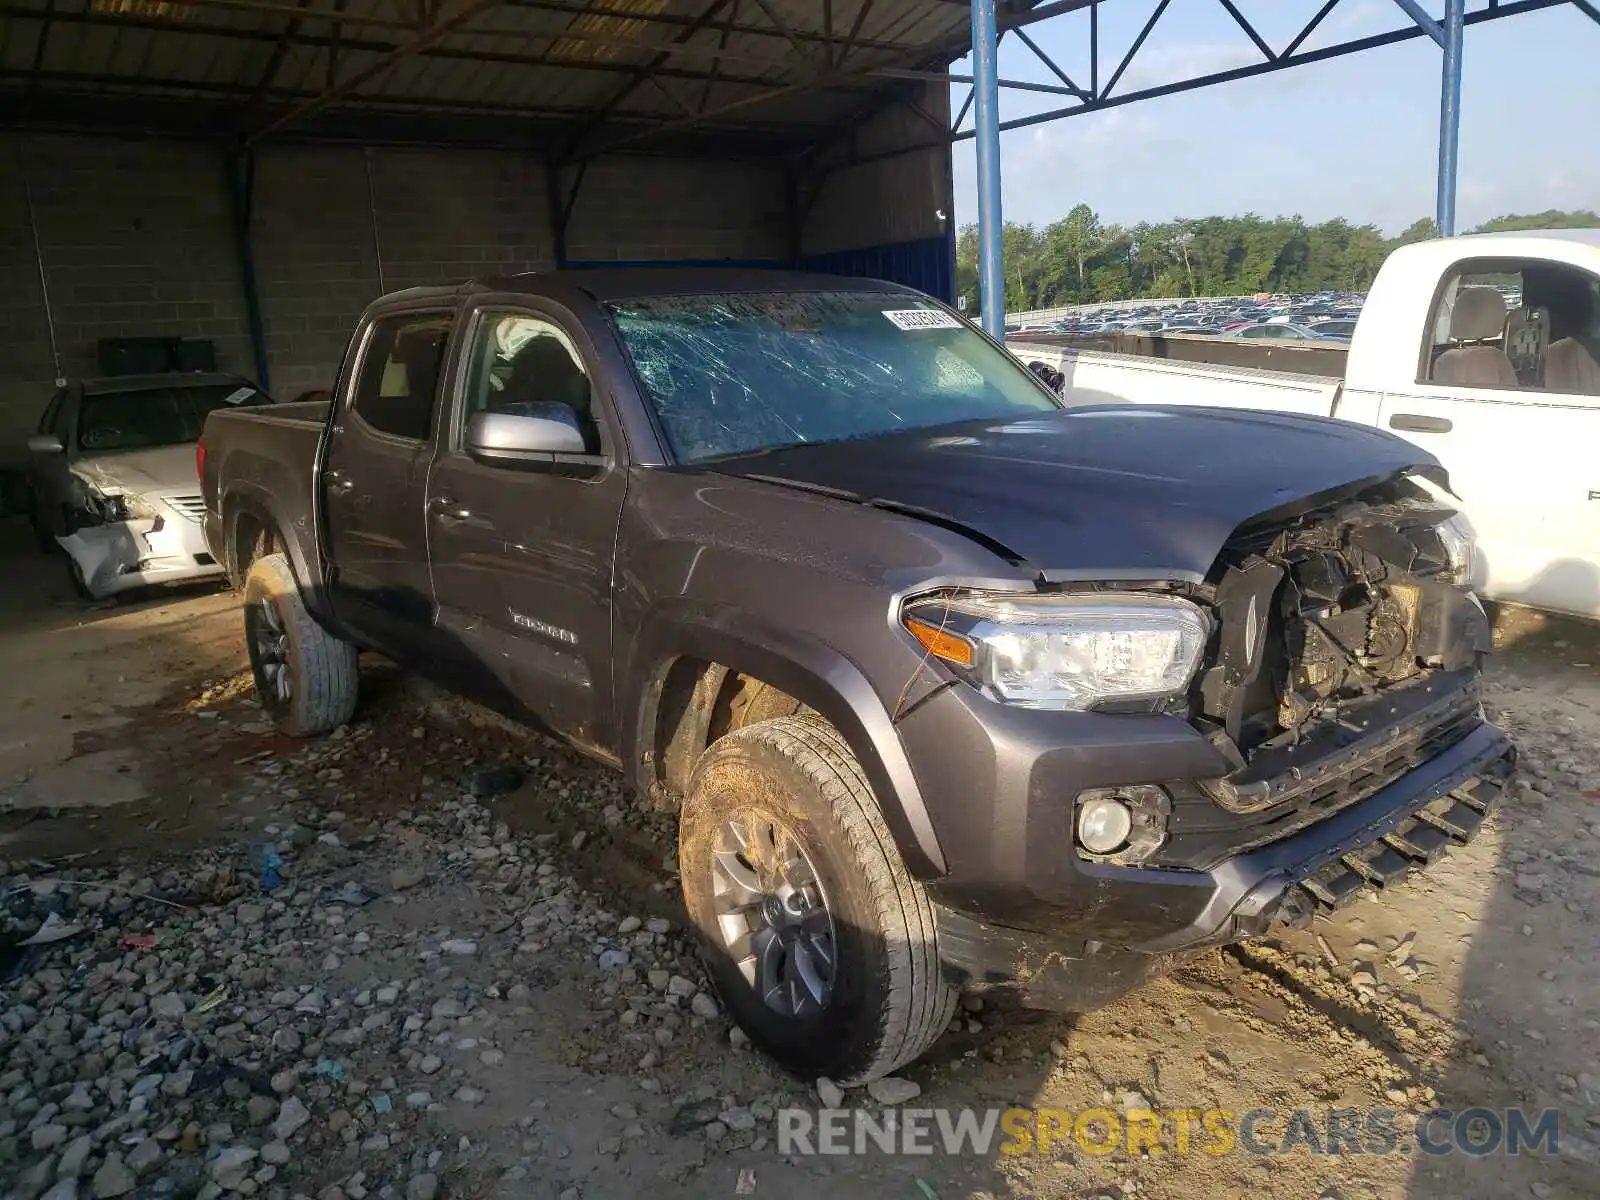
{"x": 118, "y": 540}
{"x": 1348, "y": 654}
{"x": 1334, "y": 608}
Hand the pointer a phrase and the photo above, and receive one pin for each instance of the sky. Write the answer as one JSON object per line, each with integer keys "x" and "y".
{"x": 1353, "y": 137}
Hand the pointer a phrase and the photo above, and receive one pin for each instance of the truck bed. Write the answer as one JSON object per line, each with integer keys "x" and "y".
{"x": 1297, "y": 357}
{"x": 1096, "y": 377}
{"x": 268, "y": 457}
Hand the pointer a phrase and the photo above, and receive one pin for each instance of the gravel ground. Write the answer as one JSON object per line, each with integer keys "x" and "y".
{"x": 468, "y": 976}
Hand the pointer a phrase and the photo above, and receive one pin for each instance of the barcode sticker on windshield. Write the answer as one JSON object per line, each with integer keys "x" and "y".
{"x": 921, "y": 318}
{"x": 239, "y": 396}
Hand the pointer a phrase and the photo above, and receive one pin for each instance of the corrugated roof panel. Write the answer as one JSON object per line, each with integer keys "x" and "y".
{"x": 573, "y": 61}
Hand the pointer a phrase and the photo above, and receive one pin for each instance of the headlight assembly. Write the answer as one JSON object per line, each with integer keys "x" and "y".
{"x": 1460, "y": 542}
{"x": 1071, "y": 652}
{"x": 123, "y": 506}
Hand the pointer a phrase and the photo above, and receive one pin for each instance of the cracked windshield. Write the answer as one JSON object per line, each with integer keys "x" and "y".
{"x": 734, "y": 374}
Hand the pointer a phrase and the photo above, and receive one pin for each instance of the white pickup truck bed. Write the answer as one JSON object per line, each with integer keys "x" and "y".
{"x": 1098, "y": 377}
{"x": 1517, "y": 440}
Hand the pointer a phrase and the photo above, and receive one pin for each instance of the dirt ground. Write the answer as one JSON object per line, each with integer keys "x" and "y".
{"x": 128, "y": 739}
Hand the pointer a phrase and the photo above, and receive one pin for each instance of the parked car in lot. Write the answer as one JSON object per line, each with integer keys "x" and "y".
{"x": 1509, "y": 399}
{"x": 1343, "y": 328}
{"x": 954, "y": 686}
{"x": 1283, "y": 331}
{"x": 111, "y": 477}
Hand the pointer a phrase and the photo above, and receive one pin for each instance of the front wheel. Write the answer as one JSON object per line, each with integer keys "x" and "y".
{"x": 821, "y": 944}
{"x": 305, "y": 677}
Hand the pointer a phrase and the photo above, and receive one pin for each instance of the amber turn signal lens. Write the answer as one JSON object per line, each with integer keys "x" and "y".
{"x": 941, "y": 643}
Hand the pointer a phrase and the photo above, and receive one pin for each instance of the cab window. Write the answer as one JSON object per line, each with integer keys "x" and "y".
{"x": 399, "y": 380}
{"x": 1516, "y": 325}
{"x": 521, "y": 364}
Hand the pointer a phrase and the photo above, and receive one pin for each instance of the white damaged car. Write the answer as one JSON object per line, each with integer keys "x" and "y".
{"x": 113, "y": 481}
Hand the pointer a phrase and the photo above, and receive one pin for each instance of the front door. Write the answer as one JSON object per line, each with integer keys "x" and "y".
{"x": 1524, "y": 466}
{"x": 522, "y": 553}
{"x": 1515, "y": 432}
{"x": 373, "y": 478}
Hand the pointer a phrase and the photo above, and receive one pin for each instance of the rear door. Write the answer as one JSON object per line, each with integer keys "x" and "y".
{"x": 373, "y": 477}
{"x": 522, "y": 553}
{"x": 1520, "y": 457}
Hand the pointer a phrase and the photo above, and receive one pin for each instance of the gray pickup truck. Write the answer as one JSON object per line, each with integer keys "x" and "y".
{"x": 954, "y": 688}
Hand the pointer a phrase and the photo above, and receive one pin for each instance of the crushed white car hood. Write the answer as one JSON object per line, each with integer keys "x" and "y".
{"x": 160, "y": 469}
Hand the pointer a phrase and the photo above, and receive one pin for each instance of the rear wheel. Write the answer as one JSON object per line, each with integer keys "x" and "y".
{"x": 821, "y": 944}
{"x": 306, "y": 678}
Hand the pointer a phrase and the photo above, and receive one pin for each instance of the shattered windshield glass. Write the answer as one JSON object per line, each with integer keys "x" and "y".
{"x": 733, "y": 374}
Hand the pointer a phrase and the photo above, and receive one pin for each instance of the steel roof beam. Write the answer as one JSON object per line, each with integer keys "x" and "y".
{"x": 1133, "y": 50}
{"x": 1049, "y": 62}
{"x": 1495, "y": 11}
{"x": 376, "y": 46}
{"x": 394, "y": 105}
{"x": 309, "y": 13}
{"x": 1250, "y": 30}
{"x": 1310, "y": 27}
{"x": 731, "y": 25}
{"x": 851, "y": 40}
{"x": 716, "y": 63}
{"x": 640, "y": 74}
{"x": 275, "y": 60}
{"x": 1423, "y": 21}
{"x": 43, "y": 44}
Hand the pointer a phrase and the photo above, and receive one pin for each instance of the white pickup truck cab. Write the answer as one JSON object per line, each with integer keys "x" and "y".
{"x": 1484, "y": 350}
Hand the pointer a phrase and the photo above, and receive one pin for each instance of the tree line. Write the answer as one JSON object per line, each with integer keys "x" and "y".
{"x": 1079, "y": 259}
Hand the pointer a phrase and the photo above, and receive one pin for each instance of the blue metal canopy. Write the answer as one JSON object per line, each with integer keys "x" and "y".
{"x": 990, "y": 23}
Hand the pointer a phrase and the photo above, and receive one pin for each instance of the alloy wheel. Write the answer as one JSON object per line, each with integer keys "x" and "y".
{"x": 773, "y": 915}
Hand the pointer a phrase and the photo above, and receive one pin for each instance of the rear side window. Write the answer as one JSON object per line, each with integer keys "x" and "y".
{"x": 399, "y": 380}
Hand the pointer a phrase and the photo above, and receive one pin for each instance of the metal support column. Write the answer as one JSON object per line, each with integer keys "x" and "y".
{"x": 241, "y": 170}
{"x": 1450, "y": 116}
{"x": 986, "y": 123}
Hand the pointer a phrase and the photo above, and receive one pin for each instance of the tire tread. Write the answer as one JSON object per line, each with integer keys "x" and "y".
{"x": 920, "y": 1004}
{"x": 326, "y": 679}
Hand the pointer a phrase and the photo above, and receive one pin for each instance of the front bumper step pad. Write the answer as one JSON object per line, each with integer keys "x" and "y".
{"x": 1454, "y": 819}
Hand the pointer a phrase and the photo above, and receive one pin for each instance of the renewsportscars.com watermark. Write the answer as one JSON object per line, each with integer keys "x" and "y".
{"x": 1214, "y": 1131}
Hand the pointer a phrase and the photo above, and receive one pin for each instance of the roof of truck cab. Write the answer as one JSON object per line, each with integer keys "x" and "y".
{"x": 631, "y": 283}
{"x": 1591, "y": 236}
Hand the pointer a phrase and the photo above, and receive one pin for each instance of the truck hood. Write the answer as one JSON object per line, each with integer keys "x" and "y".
{"x": 1102, "y": 492}
{"x": 159, "y": 469}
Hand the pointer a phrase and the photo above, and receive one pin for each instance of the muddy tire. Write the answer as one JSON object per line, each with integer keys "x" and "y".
{"x": 305, "y": 677}
{"x": 820, "y": 943}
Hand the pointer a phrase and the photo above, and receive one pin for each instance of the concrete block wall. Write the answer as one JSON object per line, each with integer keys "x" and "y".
{"x": 894, "y": 199}
{"x": 644, "y": 209}
{"x": 137, "y": 240}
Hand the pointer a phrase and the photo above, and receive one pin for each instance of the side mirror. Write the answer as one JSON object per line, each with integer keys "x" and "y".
{"x": 45, "y": 443}
{"x": 532, "y": 433}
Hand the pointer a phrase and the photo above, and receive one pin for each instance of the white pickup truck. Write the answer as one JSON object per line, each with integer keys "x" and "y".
{"x": 1507, "y": 397}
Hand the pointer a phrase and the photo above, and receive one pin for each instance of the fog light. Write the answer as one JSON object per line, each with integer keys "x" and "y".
{"x": 1104, "y": 825}
{"x": 1122, "y": 825}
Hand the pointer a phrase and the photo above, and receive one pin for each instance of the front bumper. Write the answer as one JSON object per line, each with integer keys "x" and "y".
{"x": 121, "y": 555}
{"x": 1404, "y": 826}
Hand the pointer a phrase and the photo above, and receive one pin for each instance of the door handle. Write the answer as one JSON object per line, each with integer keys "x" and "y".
{"x": 1414, "y": 423}
{"x": 447, "y": 509}
{"x": 337, "y": 482}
